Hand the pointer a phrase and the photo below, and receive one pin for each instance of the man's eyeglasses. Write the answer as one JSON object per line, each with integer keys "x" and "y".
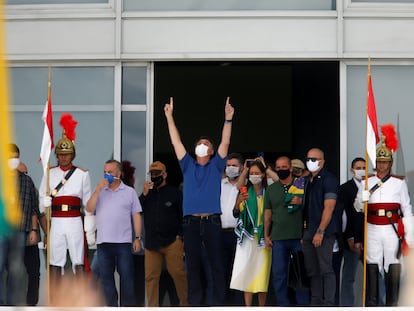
{"x": 312, "y": 159}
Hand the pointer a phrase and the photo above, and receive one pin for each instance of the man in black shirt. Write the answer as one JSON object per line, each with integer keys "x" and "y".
{"x": 162, "y": 208}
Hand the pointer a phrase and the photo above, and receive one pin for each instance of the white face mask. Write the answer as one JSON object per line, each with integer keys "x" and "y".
{"x": 312, "y": 166}
{"x": 232, "y": 171}
{"x": 255, "y": 179}
{"x": 359, "y": 174}
{"x": 201, "y": 150}
{"x": 14, "y": 163}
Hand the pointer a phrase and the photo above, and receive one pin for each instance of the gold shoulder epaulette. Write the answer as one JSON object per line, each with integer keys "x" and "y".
{"x": 82, "y": 169}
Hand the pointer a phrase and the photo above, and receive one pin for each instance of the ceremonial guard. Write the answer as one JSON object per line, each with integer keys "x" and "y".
{"x": 69, "y": 188}
{"x": 390, "y": 226}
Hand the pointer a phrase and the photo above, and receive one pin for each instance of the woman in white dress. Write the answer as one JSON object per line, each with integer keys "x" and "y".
{"x": 252, "y": 262}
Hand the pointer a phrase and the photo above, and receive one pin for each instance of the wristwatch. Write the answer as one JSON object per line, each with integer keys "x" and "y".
{"x": 138, "y": 237}
{"x": 320, "y": 231}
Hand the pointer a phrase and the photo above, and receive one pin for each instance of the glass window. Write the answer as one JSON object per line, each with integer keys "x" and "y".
{"x": 53, "y": 1}
{"x": 134, "y": 85}
{"x": 393, "y": 92}
{"x": 218, "y": 5}
{"x": 70, "y": 86}
{"x": 134, "y": 144}
{"x": 87, "y": 87}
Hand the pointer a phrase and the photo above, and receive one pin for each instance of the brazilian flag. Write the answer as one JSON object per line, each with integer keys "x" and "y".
{"x": 9, "y": 206}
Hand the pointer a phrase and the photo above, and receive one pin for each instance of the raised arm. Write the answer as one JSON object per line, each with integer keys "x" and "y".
{"x": 226, "y": 133}
{"x": 91, "y": 205}
{"x": 172, "y": 129}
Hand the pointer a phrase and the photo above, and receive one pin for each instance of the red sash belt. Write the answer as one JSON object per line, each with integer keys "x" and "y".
{"x": 383, "y": 213}
{"x": 66, "y": 206}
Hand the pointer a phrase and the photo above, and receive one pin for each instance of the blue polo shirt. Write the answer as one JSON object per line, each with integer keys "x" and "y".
{"x": 324, "y": 186}
{"x": 202, "y": 185}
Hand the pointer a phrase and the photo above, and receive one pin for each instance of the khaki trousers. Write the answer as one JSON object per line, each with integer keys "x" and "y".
{"x": 173, "y": 255}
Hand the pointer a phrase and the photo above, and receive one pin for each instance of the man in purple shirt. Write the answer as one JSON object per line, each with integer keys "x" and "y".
{"x": 115, "y": 204}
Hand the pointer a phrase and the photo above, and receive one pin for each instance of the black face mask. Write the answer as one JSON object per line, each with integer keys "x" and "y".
{"x": 157, "y": 180}
{"x": 283, "y": 174}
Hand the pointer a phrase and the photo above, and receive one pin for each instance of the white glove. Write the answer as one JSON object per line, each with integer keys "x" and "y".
{"x": 408, "y": 222}
{"x": 366, "y": 195}
{"x": 89, "y": 225}
{"x": 47, "y": 201}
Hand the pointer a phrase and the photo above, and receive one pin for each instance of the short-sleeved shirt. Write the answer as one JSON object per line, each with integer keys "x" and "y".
{"x": 202, "y": 185}
{"x": 324, "y": 186}
{"x": 114, "y": 210}
{"x": 285, "y": 225}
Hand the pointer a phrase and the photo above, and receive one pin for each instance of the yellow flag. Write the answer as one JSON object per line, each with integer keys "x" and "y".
{"x": 10, "y": 212}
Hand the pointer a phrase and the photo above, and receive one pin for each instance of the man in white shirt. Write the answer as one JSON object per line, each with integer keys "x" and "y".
{"x": 229, "y": 193}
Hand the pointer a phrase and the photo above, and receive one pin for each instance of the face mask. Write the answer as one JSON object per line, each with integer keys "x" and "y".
{"x": 255, "y": 179}
{"x": 359, "y": 174}
{"x": 283, "y": 174}
{"x": 270, "y": 181}
{"x": 312, "y": 166}
{"x": 14, "y": 163}
{"x": 110, "y": 178}
{"x": 297, "y": 172}
{"x": 201, "y": 150}
{"x": 232, "y": 172}
{"x": 157, "y": 180}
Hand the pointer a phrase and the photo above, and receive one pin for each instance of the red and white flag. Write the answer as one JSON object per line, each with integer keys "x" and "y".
{"x": 372, "y": 124}
{"x": 47, "y": 141}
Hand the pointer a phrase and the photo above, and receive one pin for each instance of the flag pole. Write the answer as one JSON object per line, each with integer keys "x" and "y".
{"x": 364, "y": 261}
{"x": 48, "y": 207}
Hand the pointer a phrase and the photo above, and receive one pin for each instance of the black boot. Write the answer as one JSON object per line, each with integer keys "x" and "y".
{"x": 392, "y": 284}
{"x": 372, "y": 287}
{"x": 55, "y": 274}
{"x": 80, "y": 270}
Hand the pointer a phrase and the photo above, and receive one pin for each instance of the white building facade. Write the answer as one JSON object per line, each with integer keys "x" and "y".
{"x": 104, "y": 57}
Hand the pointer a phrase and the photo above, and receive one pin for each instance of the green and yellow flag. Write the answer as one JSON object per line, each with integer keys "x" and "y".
{"x": 9, "y": 206}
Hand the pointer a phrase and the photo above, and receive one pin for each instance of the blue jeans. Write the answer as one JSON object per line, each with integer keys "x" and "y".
{"x": 11, "y": 260}
{"x": 351, "y": 260}
{"x": 203, "y": 232}
{"x": 119, "y": 256}
{"x": 319, "y": 266}
{"x": 281, "y": 250}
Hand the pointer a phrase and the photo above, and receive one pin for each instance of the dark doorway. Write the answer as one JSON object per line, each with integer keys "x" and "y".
{"x": 282, "y": 108}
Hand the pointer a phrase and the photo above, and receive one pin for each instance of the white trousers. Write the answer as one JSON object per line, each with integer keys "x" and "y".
{"x": 382, "y": 245}
{"x": 66, "y": 233}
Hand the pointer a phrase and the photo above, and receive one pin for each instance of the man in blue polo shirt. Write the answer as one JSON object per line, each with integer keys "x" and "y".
{"x": 320, "y": 227}
{"x": 201, "y": 205}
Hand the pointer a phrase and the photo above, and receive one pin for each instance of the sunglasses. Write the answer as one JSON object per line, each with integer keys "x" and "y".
{"x": 312, "y": 159}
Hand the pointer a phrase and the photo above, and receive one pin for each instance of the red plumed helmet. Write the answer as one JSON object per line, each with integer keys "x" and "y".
{"x": 66, "y": 144}
{"x": 389, "y": 143}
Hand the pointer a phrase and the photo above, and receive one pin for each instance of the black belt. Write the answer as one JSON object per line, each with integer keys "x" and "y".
{"x": 66, "y": 207}
{"x": 384, "y": 212}
{"x": 228, "y": 229}
{"x": 206, "y": 217}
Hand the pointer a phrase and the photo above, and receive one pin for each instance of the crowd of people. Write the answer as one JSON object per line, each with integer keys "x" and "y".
{"x": 238, "y": 233}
